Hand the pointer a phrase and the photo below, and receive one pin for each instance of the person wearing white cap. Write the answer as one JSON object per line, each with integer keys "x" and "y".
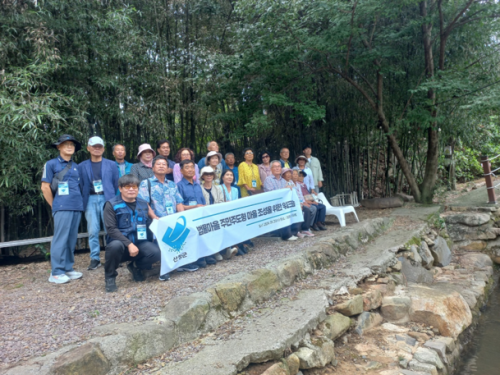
{"x": 144, "y": 169}
{"x": 98, "y": 183}
{"x": 213, "y": 160}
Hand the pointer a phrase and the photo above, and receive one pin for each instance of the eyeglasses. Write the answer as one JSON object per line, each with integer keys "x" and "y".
{"x": 249, "y": 153}
{"x": 130, "y": 187}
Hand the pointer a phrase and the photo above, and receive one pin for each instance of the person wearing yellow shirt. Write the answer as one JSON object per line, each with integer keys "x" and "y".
{"x": 248, "y": 172}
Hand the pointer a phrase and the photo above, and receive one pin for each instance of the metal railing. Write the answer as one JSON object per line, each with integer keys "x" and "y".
{"x": 488, "y": 176}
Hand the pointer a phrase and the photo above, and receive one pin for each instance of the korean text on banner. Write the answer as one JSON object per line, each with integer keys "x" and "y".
{"x": 187, "y": 236}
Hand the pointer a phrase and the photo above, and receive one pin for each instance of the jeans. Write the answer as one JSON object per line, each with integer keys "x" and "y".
{"x": 117, "y": 252}
{"x": 93, "y": 214}
{"x": 307, "y": 212}
{"x": 62, "y": 249}
{"x": 321, "y": 215}
{"x": 314, "y": 215}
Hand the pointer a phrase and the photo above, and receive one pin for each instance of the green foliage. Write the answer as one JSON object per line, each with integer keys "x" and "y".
{"x": 467, "y": 165}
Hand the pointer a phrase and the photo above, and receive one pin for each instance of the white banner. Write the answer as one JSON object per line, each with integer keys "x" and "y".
{"x": 187, "y": 236}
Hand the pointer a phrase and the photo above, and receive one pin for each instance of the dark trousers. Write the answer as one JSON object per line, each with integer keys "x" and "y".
{"x": 117, "y": 252}
{"x": 321, "y": 215}
{"x": 307, "y": 218}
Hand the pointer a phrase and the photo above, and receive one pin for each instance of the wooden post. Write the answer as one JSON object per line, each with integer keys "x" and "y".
{"x": 489, "y": 181}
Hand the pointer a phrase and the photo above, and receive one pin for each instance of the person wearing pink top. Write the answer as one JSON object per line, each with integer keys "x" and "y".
{"x": 184, "y": 154}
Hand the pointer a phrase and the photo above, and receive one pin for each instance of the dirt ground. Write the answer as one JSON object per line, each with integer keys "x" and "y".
{"x": 38, "y": 317}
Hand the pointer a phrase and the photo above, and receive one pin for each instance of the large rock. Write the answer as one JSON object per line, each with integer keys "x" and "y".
{"x": 428, "y": 356}
{"x": 415, "y": 273}
{"x": 262, "y": 284}
{"x": 469, "y": 245}
{"x": 378, "y": 203}
{"x": 396, "y": 309}
{"x": 459, "y": 232}
{"x": 422, "y": 368}
{"x": 188, "y": 313}
{"x": 84, "y": 360}
{"x": 425, "y": 255}
{"x": 291, "y": 269}
{"x": 372, "y": 300}
{"x": 335, "y": 325}
{"x": 231, "y": 294}
{"x": 448, "y": 312}
{"x": 475, "y": 260}
{"x": 316, "y": 353}
{"x": 439, "y": 347}
{"x": 469, "y": 219}
{"x": 416, "y": 256}
{"x": 367, "y": 320}
{"x": 441, "y": 252}
{"x": 354, "y": 306}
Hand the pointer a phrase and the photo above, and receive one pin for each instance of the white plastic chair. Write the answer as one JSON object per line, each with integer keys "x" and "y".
{"x": 337, "y": 211}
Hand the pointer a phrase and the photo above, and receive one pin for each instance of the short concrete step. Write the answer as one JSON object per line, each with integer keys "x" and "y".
{"x": 258, "y": 340}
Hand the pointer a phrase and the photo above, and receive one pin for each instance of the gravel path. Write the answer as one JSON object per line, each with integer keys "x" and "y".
{"x": 37, "y": 317}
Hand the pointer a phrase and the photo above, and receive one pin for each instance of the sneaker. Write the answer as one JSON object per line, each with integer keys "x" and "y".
{"x": 59, "y": 279}
{"x": 94, "y": 263}
{"x": 210, "y": 261}
{"x": 300, "y": 235}
{"x": 315, "y": 228}
{"x": 201, "y": 263}
{"x": 136, "y": 273}
{"x": 218, "y": 257}
{"x": 164, "y": 277}
{"x": 320, "y": 226}
{"x": 111, "y": 285}
{"x": 292, "y": 238}
{"x": 188, "y": 267}
{"x": 73, "y": 275}
{"x": 230, "y": 252}
{"x": 242, "y": 248}
{"x": 307, "y": 233}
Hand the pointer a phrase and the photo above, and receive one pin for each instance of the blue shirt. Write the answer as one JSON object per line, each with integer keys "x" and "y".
{"x": 190, "y": 192}
{"x": 201, "y": 163}
{"x": 162, "y": 195}
{"x": 126, "y": 168}
{"x": 234, "y": 170}
{"x": 272, "y": 183}
{"x": 73, "y": 201}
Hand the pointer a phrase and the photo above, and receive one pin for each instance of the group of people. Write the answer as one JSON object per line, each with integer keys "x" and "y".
{"x": 126, "y": 197}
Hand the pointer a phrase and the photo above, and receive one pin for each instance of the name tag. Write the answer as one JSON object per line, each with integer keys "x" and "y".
{"x": 170, "y": 208}
{"x": 98, "y": 186}
{"x": 141, "y": 232}
{"x": 193, "y": 203}
{"x": 254, "y": 183}
{"x": 63, "y": 188}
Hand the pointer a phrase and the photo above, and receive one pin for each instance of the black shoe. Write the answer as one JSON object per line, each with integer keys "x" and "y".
{"x": 242, "y": 248}
{"x": 136, "y": 273}
{"x": 320, "y": 226}
{"x": 249, "y": 243}
{"x": 191, "y": 267}
{"x": 210, "y": 260}
{"x": 240, "y": 253}
{"x": 201, "y": 263}
{"x": 94, "y": 263}
{"x": 165, "y": 277}
{"x": 111, "y": 285}
{"x": 315, "y": 228}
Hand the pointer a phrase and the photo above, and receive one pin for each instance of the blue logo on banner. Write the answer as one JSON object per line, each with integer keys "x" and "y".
{"x": 176, "y": 237}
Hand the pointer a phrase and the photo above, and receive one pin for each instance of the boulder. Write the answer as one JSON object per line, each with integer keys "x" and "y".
{"x": 293, "y": 363}
{"x": 262, "y": 284}
{"x": 421, "y": 368}
{"x": 475, "y": 260}
{"x": 397, "y": 266}
{"x": 425, "y": 255}
{"x": 396, "y": 309}
{"x": 83, "y": 360}
{"x": 188, "y": 313}
{"x": 354, "y": 306}
{"x": 231, "y": 294}
{"x": 277, "y": 369}
{"x": 444, "y": 310}
{"x": 415, "y": 273}
{"x": 428, "y": 356}
{"x": 439, "y": 347}
{"x": 441, "y": 252}
{"x": 372, "y": 300}
{"x": 316, "y": 353}
{"x": 416, "y": 256}
{"x": 460, "y": 232}
{"x": 335, "y": 325}
{"x": 378, "y": 203}
{"x": 471, "y": 219}
{"x": 471, "y": 245}
{"x": 366, "y": 321}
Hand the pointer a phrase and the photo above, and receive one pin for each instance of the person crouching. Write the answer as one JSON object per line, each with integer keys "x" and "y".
{"x": 125, "y": 218}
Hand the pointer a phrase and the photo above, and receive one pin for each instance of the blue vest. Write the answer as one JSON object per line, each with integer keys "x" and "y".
{"x": 126, "y": 219}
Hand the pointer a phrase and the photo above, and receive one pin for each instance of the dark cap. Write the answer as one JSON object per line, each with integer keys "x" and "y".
{"x": 303, "y": 173}
{"x": 66, "y": 137}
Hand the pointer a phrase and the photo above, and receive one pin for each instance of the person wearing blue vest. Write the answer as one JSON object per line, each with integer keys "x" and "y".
{"x": 61, "y": 190}
{"x": 99, "y": 182}
{"x": 126, "y": 221}
{"x": 119, "y": 152}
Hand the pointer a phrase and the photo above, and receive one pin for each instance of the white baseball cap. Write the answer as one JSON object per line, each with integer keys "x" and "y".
{"x": 96, "y": 141}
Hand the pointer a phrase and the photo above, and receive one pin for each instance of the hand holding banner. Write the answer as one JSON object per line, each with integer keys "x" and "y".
{"x": 187, "y": 236}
